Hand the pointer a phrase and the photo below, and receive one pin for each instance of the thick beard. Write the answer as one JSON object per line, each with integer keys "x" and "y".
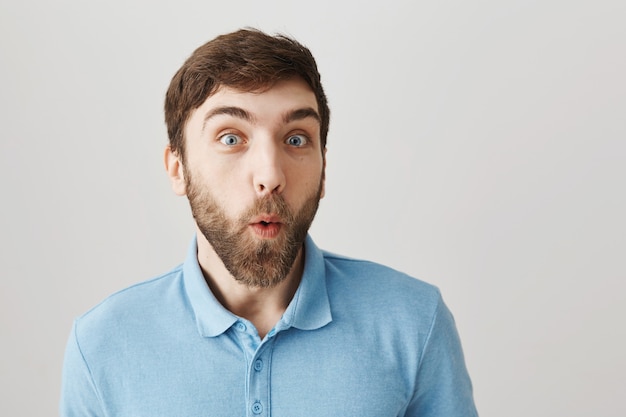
{"x": 261, "y": 263}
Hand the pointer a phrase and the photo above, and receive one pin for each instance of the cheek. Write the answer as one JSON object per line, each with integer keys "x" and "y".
{"x": 308, "y": 182}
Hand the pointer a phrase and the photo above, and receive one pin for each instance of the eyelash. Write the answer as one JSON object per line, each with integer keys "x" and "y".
{"x": 305, "y": 139}
{"x": 222, "y": 137}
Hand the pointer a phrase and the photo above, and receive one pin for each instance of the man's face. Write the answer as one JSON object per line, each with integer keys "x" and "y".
{"x": 254, "y": 175}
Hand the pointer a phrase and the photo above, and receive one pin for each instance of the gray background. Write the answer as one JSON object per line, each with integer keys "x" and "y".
{"x": 478, "y": 145}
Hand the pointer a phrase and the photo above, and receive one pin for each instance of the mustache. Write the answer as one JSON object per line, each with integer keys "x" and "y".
{"x": 273, "y": 204}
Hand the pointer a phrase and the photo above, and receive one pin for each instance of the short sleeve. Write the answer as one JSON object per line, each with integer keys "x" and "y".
{"x": 443, "y": 386}
{"x": 79, "y": 396}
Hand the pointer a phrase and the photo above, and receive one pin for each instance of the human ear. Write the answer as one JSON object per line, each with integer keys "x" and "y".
{"x": 174, "y": 169}
{"x": 323, "y": 190}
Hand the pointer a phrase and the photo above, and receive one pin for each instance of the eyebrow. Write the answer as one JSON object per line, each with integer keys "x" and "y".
{"x": 233, "y": 111}
{"x": 238, "y": 112}
{"x": 300, "y": 114}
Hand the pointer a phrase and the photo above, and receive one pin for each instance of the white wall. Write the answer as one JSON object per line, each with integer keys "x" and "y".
{"x": 478, "y": 145}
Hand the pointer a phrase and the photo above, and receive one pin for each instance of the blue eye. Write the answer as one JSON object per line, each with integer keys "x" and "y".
{"x": 230, "y": 139}
{"x": 296, "y": 140}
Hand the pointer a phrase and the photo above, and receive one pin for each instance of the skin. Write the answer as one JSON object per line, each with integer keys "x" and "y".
{"x": 242, "y": 147}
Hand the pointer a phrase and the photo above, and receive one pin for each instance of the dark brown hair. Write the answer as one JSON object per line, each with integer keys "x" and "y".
{"x": 247, "y": 60}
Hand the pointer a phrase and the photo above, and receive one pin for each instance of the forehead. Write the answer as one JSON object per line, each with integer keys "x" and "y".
{"x": 283, "y": 96}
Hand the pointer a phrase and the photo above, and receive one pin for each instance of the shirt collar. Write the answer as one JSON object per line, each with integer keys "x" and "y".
{"x": 308, "y": 310}
{"x": 212, "y": 318}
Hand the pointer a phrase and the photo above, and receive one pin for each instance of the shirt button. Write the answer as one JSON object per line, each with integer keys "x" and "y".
{"x": 258, "y": 365}
{"x": 241, "y": 326}
{"x": 257, "y": 408}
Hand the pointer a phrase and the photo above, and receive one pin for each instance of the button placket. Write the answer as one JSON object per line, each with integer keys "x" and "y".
{"x": 259, "y": 380}
{"x": 257, "y": 355}
{"x": 259, "y": 389}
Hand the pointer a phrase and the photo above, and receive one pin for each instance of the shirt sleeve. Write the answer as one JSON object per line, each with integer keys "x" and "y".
{"x": 79, "y": 396}
{"x": 443, "y": 386}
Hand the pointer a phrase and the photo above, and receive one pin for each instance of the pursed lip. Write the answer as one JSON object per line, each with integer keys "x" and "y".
{"x": 266, "y": 226}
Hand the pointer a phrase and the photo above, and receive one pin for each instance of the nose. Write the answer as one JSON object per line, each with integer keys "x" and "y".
{"x": 268, "y": 175}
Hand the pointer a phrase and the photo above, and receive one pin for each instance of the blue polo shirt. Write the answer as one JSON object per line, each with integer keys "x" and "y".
{"x": 357, "y": 339}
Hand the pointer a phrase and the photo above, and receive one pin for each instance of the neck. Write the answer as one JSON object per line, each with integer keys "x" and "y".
{"x": 262, "y": 306}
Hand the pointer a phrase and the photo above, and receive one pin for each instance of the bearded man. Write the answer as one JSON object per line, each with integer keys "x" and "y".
{"x": 258, "y": 321}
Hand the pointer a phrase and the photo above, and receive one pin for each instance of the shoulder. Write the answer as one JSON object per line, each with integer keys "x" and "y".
{"x": 130, "y": 305}
{"x": 387, "y": 308}
{"x": 380, "y": 287}
{"x": 363, "y": 273}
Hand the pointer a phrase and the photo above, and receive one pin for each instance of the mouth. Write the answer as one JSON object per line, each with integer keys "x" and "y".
{"x": 266, "y": 227}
